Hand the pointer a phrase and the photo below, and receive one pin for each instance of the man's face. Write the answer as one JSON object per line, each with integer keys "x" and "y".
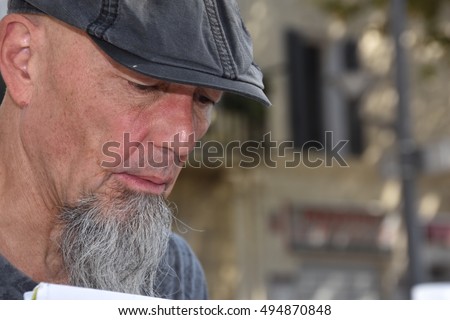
{"x": 88, "y": 115}
{"x": 106, "y": 145}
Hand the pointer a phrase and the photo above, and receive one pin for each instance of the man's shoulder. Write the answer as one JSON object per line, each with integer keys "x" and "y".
{"x": 13, "y": 283}
{"x": 180, "y": 274}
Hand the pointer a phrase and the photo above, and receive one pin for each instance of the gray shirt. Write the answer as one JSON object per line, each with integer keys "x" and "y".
{"x": 180, "y": 277}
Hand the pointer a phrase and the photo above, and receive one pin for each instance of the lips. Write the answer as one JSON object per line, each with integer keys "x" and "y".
{"x": 146, "y": 184}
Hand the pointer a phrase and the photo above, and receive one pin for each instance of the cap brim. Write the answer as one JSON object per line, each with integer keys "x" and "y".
{"x": 181, "y": 75}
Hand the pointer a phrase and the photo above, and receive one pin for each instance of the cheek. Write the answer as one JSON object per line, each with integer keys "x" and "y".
{"x": 202, "y": 122}
{"x": 170, "y": 188}
{"x": 95, "y": 118}
{"x": 69, "y": 128}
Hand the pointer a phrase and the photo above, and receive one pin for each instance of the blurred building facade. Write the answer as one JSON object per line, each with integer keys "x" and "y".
{"x": 333, "y": 231}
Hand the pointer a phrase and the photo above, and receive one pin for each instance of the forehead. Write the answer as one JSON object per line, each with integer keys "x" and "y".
{"x": 77, "y": 51}
{"x": 135, "y": 76}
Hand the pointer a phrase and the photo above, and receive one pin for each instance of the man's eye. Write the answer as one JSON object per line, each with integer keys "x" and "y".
{"x": 143, "y": 87}
{"x": 205, "y": 100}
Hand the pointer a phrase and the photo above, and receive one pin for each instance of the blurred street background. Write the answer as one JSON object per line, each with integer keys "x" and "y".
{"x": 330, "y": 232}
{"x": 335, "y": 231}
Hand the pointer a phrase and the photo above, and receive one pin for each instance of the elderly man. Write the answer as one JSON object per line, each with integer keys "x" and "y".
{"x": 82, "y": 74}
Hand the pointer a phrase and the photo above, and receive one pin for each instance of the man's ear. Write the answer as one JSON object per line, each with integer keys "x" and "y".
{"x": 16, "y": 33}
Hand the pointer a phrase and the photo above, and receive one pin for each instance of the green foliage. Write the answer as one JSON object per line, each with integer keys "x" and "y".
{"x": 341, "y": 9}
{"x": 347, "y": 9}
{"x": 427, "y": 11}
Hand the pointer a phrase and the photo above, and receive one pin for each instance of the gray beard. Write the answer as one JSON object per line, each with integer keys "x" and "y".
{"x": 115, "y": 242}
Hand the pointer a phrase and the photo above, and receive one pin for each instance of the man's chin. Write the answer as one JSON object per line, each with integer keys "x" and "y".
{"x": 114, "y": 241}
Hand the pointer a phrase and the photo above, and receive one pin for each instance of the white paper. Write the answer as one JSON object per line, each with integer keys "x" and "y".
{"x": 48, "y": 291}
{"x": 431, "y": 291}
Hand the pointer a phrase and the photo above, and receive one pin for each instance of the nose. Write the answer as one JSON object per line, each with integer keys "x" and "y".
{"x": 174, "y": 124}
